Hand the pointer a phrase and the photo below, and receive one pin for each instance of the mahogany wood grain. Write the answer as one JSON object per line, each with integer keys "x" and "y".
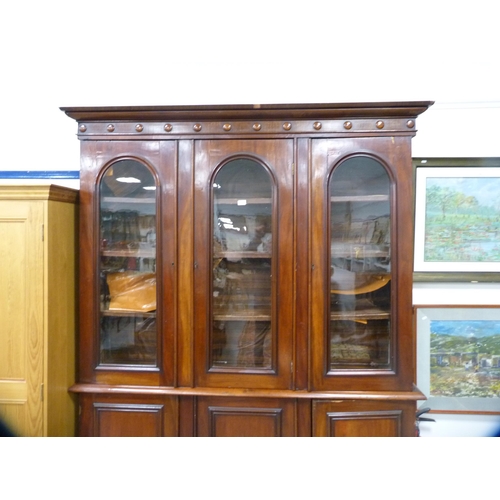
{"x": 299, "y": 395}
{"x": 278, "y": 157}
{"x": 363, "y": 418}
{"x": 115, "y": 416}
{"x": 394, "y": 154}
{"x": 233, "y": 417}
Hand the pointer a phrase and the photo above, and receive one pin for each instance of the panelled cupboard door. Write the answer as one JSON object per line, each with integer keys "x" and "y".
{"x": 361, "y": 272}
{"x": 131, "y": 416}
{"x": 244, "y": 263}
{"x": 245, "y": 417}
{"x": 363, "y": 418}
{"x": 21, "y": 310}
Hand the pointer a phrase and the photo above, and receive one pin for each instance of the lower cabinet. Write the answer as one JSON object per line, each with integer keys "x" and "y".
{"x": 227, "y": 417}
{"x": 129, "y": 416}
{"x": 363, "y": 418}
{"x": 221, "y": 416}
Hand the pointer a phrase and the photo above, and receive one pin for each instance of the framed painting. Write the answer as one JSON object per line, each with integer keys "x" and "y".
{"x": 457, "y": 218}
{"x": 458, "y": 358}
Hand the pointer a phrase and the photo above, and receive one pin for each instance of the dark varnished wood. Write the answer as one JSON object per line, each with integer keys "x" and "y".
{"x": 95, "y": 158}
{"x": 301, "y": 265}
{"x": 183, "y": 396}
{"x": 233, "y": 417}
{"x": 131, "y": 416}
{"x": 394, "y": 154}
{"x": 146, "y": 390}
{"x": 248, "y": 111}
{"x": 363, "y": 418}
{"x": 278, "y": 155}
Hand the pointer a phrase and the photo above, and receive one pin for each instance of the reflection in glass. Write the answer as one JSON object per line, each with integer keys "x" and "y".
{"x": 128, "y": 265}
{"x": 360, "y": 265}
{"x": 242, "y": 266}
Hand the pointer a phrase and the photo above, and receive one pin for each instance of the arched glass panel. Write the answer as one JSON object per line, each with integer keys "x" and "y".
{"x": 128, "y": 265}
{"x": 360, "y": 266}
{"x": 242, "y": 266}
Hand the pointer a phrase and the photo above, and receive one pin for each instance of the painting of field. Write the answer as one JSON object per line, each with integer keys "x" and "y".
{"x": 465, "y": 358}
{"x": 462, "y": 219}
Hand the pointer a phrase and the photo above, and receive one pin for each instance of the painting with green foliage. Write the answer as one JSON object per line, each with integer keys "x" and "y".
{"x": 465, "y": 358}
{"x": 462, "y": 219}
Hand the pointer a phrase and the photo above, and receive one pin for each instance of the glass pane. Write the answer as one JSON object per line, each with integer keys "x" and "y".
{"x": 128, "y": 265}
{"x": 242, "y": 266}
{"x": 360, "y": 265}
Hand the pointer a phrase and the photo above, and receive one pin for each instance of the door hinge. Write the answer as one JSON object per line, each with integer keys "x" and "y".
{"x": 41, "y": 392}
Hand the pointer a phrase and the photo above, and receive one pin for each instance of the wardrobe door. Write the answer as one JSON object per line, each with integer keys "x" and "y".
{"x": 22, "y": 313}
{"x": 243, "y": 263}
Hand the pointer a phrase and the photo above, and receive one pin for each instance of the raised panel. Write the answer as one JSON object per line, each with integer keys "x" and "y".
{"x": 364, "y": 424}
{"x": 225, "y": 417}
{"x": 128, "y": 420}
{"x": 245, "y": 422}
{"x": 13, "y": 416}
{"x": 21, "y": 308}
{"x": 363, "y": 418}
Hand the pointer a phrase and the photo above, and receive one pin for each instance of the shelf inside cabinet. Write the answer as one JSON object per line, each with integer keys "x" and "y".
{"x": 127, "y": 314}
{"x": 120, "y": 200}
{"x": 263, "y": 314}
{"x": 359, "y": 250}
{"x": 361, "y": 197}
{"x": 238, "y": 255}
{"x": 364, "y": 310}
{"x": 242, "y": 202}
{"x": 147, "y": 253}
{"x": 367, "y": 314}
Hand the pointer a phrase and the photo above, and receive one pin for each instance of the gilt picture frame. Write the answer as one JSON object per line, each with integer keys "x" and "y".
{"x": 457, "y": 220}
{"x": 458, "y": 358}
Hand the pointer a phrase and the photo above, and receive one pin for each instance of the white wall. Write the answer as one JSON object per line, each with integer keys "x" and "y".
{"x": 120, "y": 52}
{"x": 110, "y": 52}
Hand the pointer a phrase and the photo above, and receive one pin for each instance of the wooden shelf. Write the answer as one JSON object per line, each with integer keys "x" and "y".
{"x": 127, "y": 201}
{"x": 357, "y": 251}
{"x": 364, "y": 311}
{"x": 127, "y": 314}
{"x": 247, "y": 201}
{"x": 263, "y": 314}
{"x": 144, "y": 253}
{"x": 362, "y": 197}
{"x": 230, "y": 254}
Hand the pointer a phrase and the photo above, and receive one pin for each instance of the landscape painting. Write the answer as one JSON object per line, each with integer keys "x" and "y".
{"x": 458, "y": 219}
{"x": 463, "y": 356}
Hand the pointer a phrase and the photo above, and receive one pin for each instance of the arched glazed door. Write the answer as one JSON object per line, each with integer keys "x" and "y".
{"x": 243, "y": 263}
{"x": 359, "y": 326}
{"x": 128, "y": 266}
{"x": 357, "y": 336}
